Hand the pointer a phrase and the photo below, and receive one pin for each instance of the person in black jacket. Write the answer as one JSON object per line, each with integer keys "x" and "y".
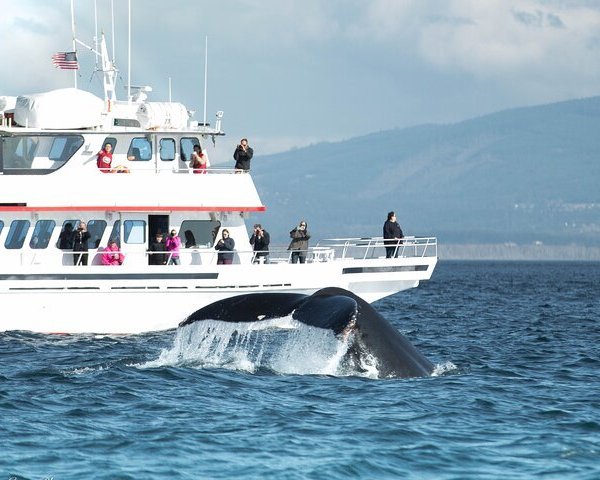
{"x": 156, "y": 247}
{"x": 242, "y": 155}
{"x": 392, "y": 235}
{"x": 225, "y": 247}
{"x": 260, "y": 240}
{"x": 80, "y": 244}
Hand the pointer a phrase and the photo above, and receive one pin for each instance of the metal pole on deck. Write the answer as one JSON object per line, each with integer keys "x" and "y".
{"x": 73, "y": 32}
{"x": 205, "y": 75}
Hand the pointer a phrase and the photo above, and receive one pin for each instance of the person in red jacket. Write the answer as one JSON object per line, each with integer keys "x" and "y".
{"x": 104, "y": 160}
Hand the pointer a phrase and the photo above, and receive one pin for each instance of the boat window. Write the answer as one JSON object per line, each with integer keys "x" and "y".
{"x": 126, "y": 122}
{"x": 24, "y": 154}
{"x": 114, "y": 234}
{"x": 199, "y": 233}
{"x": 1, "y": 225}
{"x": 67, "y": 242}
{"x": 134, "y": 231}
{"x": 42, "y": 233}
{"x": 140, "y": 149}
{"x": 167, "y": 149}
{"x": 96, "y": 230}
{"x": 112, "y": 141}
{"x": 187, "y": 147}
{"x": 16, "y": 234}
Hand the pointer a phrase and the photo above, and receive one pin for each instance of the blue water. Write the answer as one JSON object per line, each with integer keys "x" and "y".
{"x": 517, "y": 394}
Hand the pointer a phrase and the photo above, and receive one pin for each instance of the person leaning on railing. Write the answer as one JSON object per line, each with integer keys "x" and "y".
{"x": 299, "y": 243}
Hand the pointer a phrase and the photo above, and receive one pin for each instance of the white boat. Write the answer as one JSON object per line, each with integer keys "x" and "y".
{"x": 49, "y": 178}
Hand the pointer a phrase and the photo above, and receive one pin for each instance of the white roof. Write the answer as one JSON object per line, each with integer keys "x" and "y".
{"x": 66, "y": 108}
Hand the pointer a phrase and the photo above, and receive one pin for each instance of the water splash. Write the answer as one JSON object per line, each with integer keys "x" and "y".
{"x": 282, "y": 346}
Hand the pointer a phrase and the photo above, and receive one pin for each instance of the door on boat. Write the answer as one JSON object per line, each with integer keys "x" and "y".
{"x": 157, "y": 223}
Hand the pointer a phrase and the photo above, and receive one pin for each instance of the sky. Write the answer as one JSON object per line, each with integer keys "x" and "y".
{"x": 290, "y": 73}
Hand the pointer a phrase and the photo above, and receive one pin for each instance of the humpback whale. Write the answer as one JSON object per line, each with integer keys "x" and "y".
{"x": 336, "y": 309}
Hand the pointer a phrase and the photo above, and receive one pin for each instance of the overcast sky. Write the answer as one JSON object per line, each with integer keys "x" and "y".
{"x": 293, "y": 72}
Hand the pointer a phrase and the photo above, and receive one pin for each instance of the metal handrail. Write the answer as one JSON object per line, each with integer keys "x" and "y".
{"x": 327, "y": 250}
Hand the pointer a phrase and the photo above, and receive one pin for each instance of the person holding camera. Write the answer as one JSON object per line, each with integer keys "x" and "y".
{"x": 299, "y": 243}
{"x": 80, "y": 244}
{"x": 225, "y": 246}
{"x": 173, "y": 244}
{"x": 242, "y": 156}
{"x": 260, "y": 240}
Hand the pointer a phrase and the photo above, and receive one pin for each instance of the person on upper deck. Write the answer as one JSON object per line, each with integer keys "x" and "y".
{"x": 225, "y": 246}
{"x": 260, "y": 240}
{"x": 392, "y": 235}
{"x": 173, "y": 245}
{"x": 158, "y": 251}
{"x": 198, "y": 160}
{"x": 112, "y": 255}
{"x": 104, "y": 160}
{"x": 299, "y": 243}
{"x": 80, "y": 244}
{"x": 242, "y": 155}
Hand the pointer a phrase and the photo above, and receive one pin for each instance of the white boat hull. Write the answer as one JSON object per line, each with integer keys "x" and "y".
{"x": 94, "y": 299}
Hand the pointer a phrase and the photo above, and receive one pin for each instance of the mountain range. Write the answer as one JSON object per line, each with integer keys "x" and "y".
{"x": 521, "y": 176}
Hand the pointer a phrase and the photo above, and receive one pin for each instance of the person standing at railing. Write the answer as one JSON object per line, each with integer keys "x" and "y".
{"x": 158, "y": 251}
{"x": 104, "y": 160}
{"x": 392, "y": 236}
{"x": 173, "y": 246}
{"x": 242, "y": 156}
{"x": 260, "y": 240}
{"x": 198, "y": 162}
{"x": 225, "y": 246}
{"x": 80, "y": 244}
{"x": 299, "y": 243}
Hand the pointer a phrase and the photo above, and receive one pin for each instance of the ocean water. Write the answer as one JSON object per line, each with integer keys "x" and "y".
{"x": 515, "y": 395}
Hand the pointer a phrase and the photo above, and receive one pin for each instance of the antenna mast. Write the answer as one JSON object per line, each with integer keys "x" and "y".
{"x": 74, "y": 46}
{"x": 205, "y": 75}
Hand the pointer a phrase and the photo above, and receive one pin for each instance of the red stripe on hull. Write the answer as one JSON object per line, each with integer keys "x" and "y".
{"x": 114, "y": 208}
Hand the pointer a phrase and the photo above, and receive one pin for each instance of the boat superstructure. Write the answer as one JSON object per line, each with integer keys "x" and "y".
{"x": 49, "y": 179}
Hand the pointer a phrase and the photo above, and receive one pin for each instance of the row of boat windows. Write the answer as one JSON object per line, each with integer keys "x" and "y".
{"x": 193, "y": 233}
{"x": 53, "y": 151}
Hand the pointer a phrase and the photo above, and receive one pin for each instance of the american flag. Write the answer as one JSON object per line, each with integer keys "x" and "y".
{"x": 65, "y": 60}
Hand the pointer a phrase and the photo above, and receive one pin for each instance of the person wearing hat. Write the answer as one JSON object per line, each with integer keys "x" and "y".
{"x": 157, "y": 251}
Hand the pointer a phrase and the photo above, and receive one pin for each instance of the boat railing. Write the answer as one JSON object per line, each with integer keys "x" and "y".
{"x": 375, "y": 247}
{"x": 328, "y": 250}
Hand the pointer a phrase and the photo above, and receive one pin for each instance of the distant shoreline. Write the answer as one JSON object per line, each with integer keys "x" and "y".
{"x": 517, "y": 252}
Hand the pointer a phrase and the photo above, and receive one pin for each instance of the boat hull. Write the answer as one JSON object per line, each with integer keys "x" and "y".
{"x": 118, "y": 300}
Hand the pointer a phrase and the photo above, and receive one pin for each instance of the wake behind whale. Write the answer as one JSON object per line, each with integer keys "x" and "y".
{"x": 331, "y": 332}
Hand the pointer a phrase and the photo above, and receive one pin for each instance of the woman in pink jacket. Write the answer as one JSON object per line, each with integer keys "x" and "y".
{"x": 173, "y": 244}
{"x": 112, "y": 255}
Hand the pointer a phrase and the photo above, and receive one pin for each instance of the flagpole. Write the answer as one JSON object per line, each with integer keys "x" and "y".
{"x": 74, "y": 45}
{"x": 129, "y": 57}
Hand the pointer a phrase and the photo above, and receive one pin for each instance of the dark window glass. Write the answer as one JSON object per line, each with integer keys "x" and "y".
{"x": 199, "y": 233}
{"x": 187, "y": 147}
{"x": 65, "y": 240}
{"x": 167, "y": 149}
{"x": 16, "y": 234}
{"x": 96, "y": 230}
{"x": 126, "y": 122}
{"x": 140, "y": 149}
{"x": 40, "y": 152}
{"x": 114, "y": 234}
{"x": 112, "y": 141}
{"x": 42, "y": 233}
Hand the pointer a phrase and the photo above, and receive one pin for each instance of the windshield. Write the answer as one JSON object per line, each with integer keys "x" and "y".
{"x": 27, "y": 154}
